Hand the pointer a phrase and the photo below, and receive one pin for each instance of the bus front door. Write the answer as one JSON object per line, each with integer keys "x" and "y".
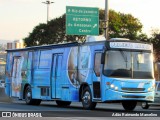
{"x": 56, "y": 76}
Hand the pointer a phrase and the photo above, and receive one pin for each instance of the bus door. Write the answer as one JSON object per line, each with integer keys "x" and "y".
{"x": 97, "y": 74}
{"x": 16, "y": 77}
{"x": 56, "y": 76}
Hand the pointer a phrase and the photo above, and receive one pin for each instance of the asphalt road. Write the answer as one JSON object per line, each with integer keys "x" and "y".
{"x": 75, "y": 111}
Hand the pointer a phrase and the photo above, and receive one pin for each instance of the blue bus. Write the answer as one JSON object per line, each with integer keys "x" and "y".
{"x": 116, "y": 70}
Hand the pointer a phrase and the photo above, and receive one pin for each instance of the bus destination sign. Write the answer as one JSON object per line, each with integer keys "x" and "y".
{"x": 130, "y": 45}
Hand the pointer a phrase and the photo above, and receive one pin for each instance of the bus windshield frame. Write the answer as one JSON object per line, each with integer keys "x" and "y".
{"x": 132, "y": 64}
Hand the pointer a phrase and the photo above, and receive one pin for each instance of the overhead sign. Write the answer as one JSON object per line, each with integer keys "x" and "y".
{"x": 82, "y": 21}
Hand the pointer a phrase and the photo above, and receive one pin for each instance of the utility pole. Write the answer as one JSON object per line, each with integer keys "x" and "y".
{"x": 106, "y": 19}
{"x": 47, "y": 3}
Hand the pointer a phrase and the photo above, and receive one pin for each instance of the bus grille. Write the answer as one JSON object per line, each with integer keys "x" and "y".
{"x": 132, "y": 96}
{"x": 133, "y": 89}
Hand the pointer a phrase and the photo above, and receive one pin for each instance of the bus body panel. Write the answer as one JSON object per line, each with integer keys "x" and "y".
{"x": 127, "y": 89}
{"x": 57, "y": 73}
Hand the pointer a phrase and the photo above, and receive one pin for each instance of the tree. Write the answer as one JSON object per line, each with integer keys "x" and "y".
{"x": 38, "y": 36}
{"x": 120, "y": 25}
{"x": 51, "y": 33}
{"x": 155, "y": 40}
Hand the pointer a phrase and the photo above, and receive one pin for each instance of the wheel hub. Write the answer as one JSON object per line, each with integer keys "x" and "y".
{"x": 144, "y": 104}
{"x": 28, "y": 96}
{"x": 86, "y": 97}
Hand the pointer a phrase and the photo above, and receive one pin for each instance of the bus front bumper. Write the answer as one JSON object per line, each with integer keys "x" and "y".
{"x": 112, "y": 95}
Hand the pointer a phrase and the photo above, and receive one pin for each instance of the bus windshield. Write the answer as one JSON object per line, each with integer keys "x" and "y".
{"x": 128, "y": 64}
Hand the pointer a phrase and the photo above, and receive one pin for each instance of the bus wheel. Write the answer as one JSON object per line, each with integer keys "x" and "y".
{"x": 87, "y": 99}
{"x": 144, "y": 105}
{"x": 63, "y": 103}
{"x": 28, "y": 97}
{"x": 129, "y": 105}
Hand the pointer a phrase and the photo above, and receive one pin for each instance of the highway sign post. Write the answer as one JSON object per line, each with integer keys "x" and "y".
{"x": 82, "y": 21}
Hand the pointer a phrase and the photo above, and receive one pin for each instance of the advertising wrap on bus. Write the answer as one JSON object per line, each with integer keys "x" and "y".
{"x": 91, "y": 72}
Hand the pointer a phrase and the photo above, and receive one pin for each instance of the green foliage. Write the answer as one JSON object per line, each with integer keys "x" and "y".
{"x": 51, "y": 33}
{"x": 38, "y": 35}
{"x": 155, "y": 39}
{"x": 120, "y": 25}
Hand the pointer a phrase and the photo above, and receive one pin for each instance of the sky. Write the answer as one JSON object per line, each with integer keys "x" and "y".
{"x": 19, "y": 17}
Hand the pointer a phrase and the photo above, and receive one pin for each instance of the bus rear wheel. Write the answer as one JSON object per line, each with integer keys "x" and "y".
{"x": 63, "y": 103}
{"x": 129, "y": 105}
{"x": 87, "y": 99}
{"x": 28, "y": 97}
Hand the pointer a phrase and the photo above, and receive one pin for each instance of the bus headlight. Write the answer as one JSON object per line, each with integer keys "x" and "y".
{"x": 149, "y": 89}
{"x": 112, "y": 86}
{"x": 116, "y": 88}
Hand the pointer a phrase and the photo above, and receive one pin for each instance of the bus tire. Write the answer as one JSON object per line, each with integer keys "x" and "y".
{"x": 129, "y": 105}
{"x": 87, "y": 99}
{"x": 63, "y": 103}
{"x": 144, "y": 105}
{"x": 28, "y": 97}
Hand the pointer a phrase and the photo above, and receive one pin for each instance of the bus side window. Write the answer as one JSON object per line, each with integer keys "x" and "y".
{"x": 29, "y": 64}
{"x": 59, "y": 65}
{"x": 45, "y": 59}
{"x": 97, "y": 63}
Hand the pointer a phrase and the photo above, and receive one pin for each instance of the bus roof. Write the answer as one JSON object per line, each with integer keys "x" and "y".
{"x": 55, "y": 46}
{"x": 73, "y": 44}
{"x": 45, "y": 47}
